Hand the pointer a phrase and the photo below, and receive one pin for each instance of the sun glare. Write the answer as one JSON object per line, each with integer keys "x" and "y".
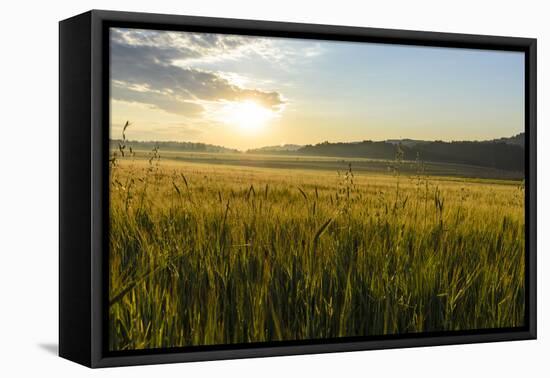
{"x": 248, "y": 115}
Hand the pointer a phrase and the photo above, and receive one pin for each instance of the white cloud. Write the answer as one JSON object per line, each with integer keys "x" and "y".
{"x": 144, "y": 70}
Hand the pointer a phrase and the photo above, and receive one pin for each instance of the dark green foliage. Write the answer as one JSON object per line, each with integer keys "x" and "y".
{"x": 498, "y": 155}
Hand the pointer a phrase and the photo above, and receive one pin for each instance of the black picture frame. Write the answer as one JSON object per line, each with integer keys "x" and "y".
{"x": 83, "y": 178}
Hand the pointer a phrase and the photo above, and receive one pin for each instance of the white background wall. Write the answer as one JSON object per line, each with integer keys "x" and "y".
{"x": 29, "y": 188}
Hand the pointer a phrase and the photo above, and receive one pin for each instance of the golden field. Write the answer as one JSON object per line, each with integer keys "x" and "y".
{"x": 206, "y": 253}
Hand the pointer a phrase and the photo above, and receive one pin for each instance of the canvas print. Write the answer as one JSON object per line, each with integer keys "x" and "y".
{"x": 271, "y": 190}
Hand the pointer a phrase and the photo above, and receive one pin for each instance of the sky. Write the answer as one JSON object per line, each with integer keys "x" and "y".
{"x": 247, "y": 92}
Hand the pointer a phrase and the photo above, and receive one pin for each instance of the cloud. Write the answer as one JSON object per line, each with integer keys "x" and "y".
{"x": 164, "y": 100}
{"x": 146, "y": 67}
{"x": 179, "y": 129}
{"x": 184, "y": 44}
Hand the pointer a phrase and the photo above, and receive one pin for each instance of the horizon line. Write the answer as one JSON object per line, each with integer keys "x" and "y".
{"x": 314, "y": 144}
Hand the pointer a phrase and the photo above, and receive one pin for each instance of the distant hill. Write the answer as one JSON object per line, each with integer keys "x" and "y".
{"x": 275, "y": 149}
{"x": 518, "y": 140}
{"x": 503, "y": 153}
{"x": 406, "y": 142}
{"x": 174, "y": 146}
{"x": 494, "y": 154}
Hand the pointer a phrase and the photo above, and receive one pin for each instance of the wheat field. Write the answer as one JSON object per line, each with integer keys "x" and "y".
{"x": 204, "y": 254}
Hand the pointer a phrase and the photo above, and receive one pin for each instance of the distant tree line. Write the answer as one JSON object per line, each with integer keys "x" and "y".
{"x": 505, "y": 153}
{"x": 173, "y": 146}
{"x": 498, "y": 155}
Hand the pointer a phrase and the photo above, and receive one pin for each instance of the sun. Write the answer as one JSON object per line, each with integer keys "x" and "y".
{"x": 249, "y": 116}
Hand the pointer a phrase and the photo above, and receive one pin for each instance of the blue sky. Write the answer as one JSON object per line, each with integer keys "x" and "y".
{"x": 247, "y": 92}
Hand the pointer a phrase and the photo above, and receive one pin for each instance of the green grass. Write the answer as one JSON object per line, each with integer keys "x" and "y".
{"x": 205, "y": 253}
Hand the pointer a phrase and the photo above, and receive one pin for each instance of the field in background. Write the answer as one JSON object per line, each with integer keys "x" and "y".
{"x": 212, "y": 249}
{"x": 333, "y": 164}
